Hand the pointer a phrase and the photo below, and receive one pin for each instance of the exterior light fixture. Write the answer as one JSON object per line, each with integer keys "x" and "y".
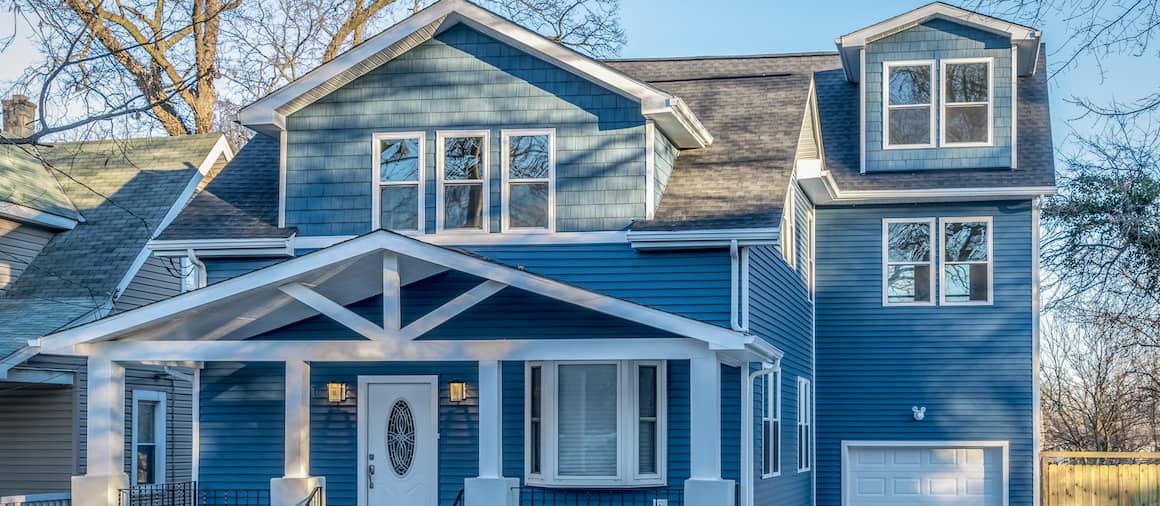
{"x": 457, "y": 391}
{"x": 336, "y": 392}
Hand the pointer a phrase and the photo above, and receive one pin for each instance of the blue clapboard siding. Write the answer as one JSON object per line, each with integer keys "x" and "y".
{"x": 937, "y": 40}
{"x": 242, "y": 424}
{"x": 664, "y": 158}
{"x": 971, "y": 366}
{"x": 678, "y": 445}
{"x": 691, "y": 283}
{"x": 221, "y": 269}
{"x": 463, "y": 79}
{"x": 334, "y": 427}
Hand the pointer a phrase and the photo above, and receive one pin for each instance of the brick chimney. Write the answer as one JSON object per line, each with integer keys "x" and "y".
{"x": 19, "y": 114}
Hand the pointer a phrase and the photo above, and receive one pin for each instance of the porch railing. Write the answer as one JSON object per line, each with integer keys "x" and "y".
{"x": 59, "y": 499}
{"x": 536, "y": 496}
{"x": 187, "y": 493}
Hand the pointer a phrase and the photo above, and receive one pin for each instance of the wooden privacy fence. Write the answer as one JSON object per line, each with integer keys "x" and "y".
{"x": 1100, "y": 479}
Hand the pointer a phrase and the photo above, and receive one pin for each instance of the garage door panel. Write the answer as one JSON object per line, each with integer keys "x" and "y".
{"x": 924, "y": 476}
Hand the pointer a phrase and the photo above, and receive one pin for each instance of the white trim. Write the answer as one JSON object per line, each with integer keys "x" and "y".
{"x": 805, "y": 418}
{"x": 745, "y": 288}
{"x": 16, "y": 358}
{"x": 195, "y": 458}
{"x": 506, "y": 180}
{"x": 861, "y": 111}
{"x": 484, "y": 181}
{"x": 41, "y": 376}
{"x": 160, "y": 434}
{"x": 377, "y": 184}
{"x": 1036, "y": 395}
{"x": 335, "y": 311}
{"x": 788, "y": 228}
{"x": 749, "y": 449}
{"x": 942, "y": 262}
{"x": 453, "y": 238}
{"x": 886, "y": 107}
{"x": 1004, "y": 445}
{"x": 451, "y": 309}
{"x": 931, "y": 263}
{"x": 282, "y": 179}
{"x": 650, "y": 170}
{"x": 276, "y": 246}
{"x": 672, "y": 114}
{"x": 822, "y": 189}
{"x": 990, "y": 103}
{"x": 704, "y": 238}
{"x": 364, "y": 383}
{"x": 1015, "y": 110}
{"x": 36, "y": 217}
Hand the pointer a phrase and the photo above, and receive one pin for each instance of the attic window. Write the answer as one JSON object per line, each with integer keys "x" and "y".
{"x": 966, "y": 114}
{"x": 398, "y": 199}
{"x": 529, "y": 176}
{"x": 909, "y": 105}
{"x": 462, "y": 194}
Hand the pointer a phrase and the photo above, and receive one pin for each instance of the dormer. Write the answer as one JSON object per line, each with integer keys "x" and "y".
{"x": 938, "y": 88}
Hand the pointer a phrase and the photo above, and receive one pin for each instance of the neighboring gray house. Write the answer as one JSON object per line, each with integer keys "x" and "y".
{"x": 74, "y": 220}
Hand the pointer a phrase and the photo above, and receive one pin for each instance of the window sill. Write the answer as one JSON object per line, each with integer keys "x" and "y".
{"x": 888, "y": 147}
{"x": 952, "y": 145}
{"x": 771, "y": 475}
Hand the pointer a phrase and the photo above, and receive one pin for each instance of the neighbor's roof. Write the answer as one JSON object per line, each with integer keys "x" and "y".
{"x": 123, "y": 189}
{"x": 26, "y": 182}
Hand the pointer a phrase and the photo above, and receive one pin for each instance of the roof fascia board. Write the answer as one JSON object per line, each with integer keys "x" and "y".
{"x": 937, "y": 10}
{"x": 29, "y": 215}
{"x": 711, "y": 238}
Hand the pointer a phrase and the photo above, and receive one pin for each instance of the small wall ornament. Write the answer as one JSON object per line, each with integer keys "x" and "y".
{"x": 919, "y": 413}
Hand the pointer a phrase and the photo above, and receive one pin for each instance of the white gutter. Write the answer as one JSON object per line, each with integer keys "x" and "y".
{"x": 278, "y": 246}
{"x": 16, "y": 358}
{"x": 716, "y": 238}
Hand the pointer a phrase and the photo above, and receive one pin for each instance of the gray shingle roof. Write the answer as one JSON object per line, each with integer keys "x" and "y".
{"x": 25, "y": 182}
{"x": 242, "y": 202}
{"x": 123, "y": 189}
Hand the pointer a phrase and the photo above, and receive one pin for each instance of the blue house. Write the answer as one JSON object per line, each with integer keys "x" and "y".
{"x": 461, "y": 264}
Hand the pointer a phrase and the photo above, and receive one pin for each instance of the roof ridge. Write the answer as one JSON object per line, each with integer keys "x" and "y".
{"x": 801, "y": 54}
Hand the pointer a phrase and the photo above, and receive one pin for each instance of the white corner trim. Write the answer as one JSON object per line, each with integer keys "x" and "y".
{"x": 1036, "y": 305}
{"x": 282, "y": 179}
{"x": 1004, "y": 445}
{"x": 862, "y": 110}
{"x": 195, "y": 459}
{"x": 1015, "y": 109}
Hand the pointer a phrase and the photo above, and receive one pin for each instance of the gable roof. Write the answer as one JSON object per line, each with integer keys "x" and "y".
{"x": 127, "y": 191}
{"x": 28, "y": 190}
{"x": 1025, "y": 38}
{"x": 268, "y": 114}
{"x": 755, "y": 104}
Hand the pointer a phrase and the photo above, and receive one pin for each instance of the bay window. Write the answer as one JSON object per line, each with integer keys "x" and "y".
{"x": 398, "y": 196}
{"x": 908, "y": 261}
{"x": 908, "y": 104}
{"x": 462, "y": 196}
{"x": 529, "y": 166}
{"x": 966, "y": 102}
{"x": 595, "y": 423}
{"x": 967, "y": 265}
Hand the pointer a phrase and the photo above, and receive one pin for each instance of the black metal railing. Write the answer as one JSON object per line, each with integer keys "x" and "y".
{"x": 59, "y": 499}
{"x": 458, "y": 498}
{"x": 187, "y": 493}
{"x": 536, "y": 496}
{"x": 317, "y": 497}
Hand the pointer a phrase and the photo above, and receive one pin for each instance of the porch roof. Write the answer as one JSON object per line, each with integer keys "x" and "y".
{"x": 327, "y": 280}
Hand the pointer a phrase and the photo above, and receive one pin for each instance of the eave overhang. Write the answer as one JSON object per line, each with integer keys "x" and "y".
{"x": 821, "y": 188}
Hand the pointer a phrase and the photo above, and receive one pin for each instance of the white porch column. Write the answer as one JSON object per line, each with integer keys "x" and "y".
{"x": 296, "y": 484}
{"x": 105, "y": 434}
{"x": 705, "y": 486}
{"x": 490, "y": 488}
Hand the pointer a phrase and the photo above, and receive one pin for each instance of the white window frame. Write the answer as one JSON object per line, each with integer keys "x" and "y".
{"x": 990, "y": 103}
{"x": 789, "y": 227}
{"x": 506, "y": 180}
{"x": 942, "y": 263}
{"x": 440, "y": 152}
{"x": 886, "y": 107}
{"x": 805, "y": 422}
{"x": 932, "y": 223}
{"x": 628, "y": 466}
{"x": 160, "y": 428}
{"x": 771, "y": 411}
{"x": 377, "y": 184}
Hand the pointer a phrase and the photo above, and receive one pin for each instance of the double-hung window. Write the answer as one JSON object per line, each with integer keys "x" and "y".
{"x": 149, "y": 436}
{"x": 771, "y": 424}
{"x": 967, "y": 261}
{"x": 966, "y": 102}
{"x": 805, "y": 424}
{"x": 908, "y": 261}
{"x": 908, "y": 98}
{"x": 462, "y": 193}
{"x": 595, "y": 424}
{"x": 529, "y": 178}
{"x": 398, "y": 193}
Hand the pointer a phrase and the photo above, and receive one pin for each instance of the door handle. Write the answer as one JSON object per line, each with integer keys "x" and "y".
{"x": 371, "y": 475}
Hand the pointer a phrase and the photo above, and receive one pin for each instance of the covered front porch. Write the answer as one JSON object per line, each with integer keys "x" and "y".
{"x": 385, "y": 370}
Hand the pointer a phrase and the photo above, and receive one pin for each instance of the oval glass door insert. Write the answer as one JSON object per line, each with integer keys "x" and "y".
{"x": 400, "y": 440}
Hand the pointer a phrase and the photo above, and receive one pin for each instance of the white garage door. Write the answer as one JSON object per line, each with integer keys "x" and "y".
{"x": 924, "y": 476}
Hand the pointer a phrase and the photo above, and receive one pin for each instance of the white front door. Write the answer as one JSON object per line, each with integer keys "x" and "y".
{"x": 924, "y": 476}
{"x": 400, "y": 430}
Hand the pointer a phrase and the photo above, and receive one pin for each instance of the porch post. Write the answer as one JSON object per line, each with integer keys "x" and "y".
{"x": 105, "y": 433}
{"x": 705, "y": 486}
{"x": 296, "y": 484}
{"x": 490, "y": 488}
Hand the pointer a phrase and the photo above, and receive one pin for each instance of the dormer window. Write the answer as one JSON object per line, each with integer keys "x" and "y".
{"x": 529, "y": 177}
{"x": 398, "y": 196}
{"x": 966, "y": 93}
{"x": 909, "y": 104}
{"x": 462, "y": 196}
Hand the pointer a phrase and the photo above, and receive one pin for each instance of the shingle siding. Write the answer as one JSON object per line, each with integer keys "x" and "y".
{"x": 970, "y": 366}
{"x": 664, "y": 158}
{"x": 938, "y": 40}
{"x": 463, "y": 79}
{"x": 19, "y": 245}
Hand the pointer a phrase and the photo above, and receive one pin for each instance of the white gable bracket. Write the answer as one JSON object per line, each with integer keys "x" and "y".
{"x": 452, "y": 308}
{"x": 335, "y": 311}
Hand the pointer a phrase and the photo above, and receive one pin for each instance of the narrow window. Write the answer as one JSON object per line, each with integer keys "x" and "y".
{"x": 808, "y": 250}
{"x": 398, "y": 199}
{"x": 966, "y": 115}
{"x": 463, "y": 181}
{"x": 908, "y": 261}
{"x": 967, "y": 262}
{"x": 535, "y": 418}
{"x": 789, "y": 228}
{"x": 805, "y": 423}
{"x": 771, "y": 425}
{"x": 647, "y": 418}
{"x": 908, "y": 95}
{"x": 149, "y": 434}
{"x": 529, "y": 178}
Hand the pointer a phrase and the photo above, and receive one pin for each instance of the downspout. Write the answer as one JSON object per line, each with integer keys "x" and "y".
{"x": 734, "y": 281}
{"x": 200, "y": 282}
